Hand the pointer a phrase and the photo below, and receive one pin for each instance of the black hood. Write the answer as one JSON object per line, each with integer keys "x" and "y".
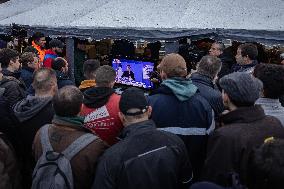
{"x": 97, "y": 96}
{"x": 29, "y": 107}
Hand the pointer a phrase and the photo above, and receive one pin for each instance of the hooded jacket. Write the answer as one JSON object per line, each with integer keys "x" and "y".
{"x": 32, "y": 113}
{"x": 100, "y": 109}
{"x": 15, "y": 89}
{"x": 180, "y": 109}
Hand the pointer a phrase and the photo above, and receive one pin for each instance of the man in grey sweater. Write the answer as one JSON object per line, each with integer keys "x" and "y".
{"x": 272, "y": 77}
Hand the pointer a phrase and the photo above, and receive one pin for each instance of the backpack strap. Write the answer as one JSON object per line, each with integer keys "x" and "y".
{"x": 78, "y": 145}
{"x": 44, "y": 138}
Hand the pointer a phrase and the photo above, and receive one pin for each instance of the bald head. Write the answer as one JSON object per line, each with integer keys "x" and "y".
{"x": 44, "y": 80}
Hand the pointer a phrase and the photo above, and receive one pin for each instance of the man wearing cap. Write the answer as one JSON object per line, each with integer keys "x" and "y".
{"x": 245, "y": 127}
{"x": 180, "y": 109}
{"x": 145, "y": 157}
{"x": 56, "y": 47}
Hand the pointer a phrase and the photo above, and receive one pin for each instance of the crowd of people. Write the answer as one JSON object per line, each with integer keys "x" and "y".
{"x": 221, "y": 126}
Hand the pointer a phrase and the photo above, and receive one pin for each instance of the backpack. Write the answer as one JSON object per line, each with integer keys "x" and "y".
{"x": 53, "y": 169}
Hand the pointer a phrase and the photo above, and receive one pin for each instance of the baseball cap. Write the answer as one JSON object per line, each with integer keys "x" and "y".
{"x": 133, "y": 98}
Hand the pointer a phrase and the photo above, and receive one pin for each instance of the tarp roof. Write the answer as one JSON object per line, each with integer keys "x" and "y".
{"x": 164, "y": 19}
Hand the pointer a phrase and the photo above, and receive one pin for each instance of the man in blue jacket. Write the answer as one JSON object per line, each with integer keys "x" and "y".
{"x": 180, "y": 109}
{"x": 207, "y": 71}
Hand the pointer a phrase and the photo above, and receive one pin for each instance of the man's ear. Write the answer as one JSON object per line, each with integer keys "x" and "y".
{"x": 121, "y": 117}
{"x": 149, "y": 111}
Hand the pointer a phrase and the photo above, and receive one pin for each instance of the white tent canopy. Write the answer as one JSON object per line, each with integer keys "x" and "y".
{"x": 158, "y": 15}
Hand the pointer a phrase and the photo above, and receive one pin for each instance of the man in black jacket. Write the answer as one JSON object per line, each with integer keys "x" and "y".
{"x": 14, "y": 87}
{"x": 60, "y": 65}
{"x": 245, "y": 127}
{"x": 207, "y": 70}
{"x": 145, "y": 157}
{"x": 35, "y": 111}
{"x": 217, "y": 49}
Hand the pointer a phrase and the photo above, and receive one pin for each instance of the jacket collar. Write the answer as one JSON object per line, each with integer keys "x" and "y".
{"x": 15, "y": 74}
{"x": 200, "y": 78}
{"x": 137, "y": 128}
{"x": 29, "y": 69}
{"x": 243, "y": 115}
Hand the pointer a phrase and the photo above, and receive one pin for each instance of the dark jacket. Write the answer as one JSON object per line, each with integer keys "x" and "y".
{"x": 248, "y": 68}
{"x": 9, "y": 171}
{"x": 32, "y": 113}
{"x": 180, "y": 109}
{"x": 63, "y": 79}
{"x": 144, "y": 158}
{"x": 79, "y": 58}
{"x": 128, "y": 74}
{"x": 27, "y": 76}
{"x": 209, "y": 91}
{"x": 229, "y": 146}
{"x": 14, "y": 87}
{"x": 83, "y": 164}
{"x": 9, "y": 123}
{"x": 227, "y": 63}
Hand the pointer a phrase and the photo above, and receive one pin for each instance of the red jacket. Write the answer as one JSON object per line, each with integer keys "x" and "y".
{"x": 104, "y": 121}
{"x": 49, "y": 56}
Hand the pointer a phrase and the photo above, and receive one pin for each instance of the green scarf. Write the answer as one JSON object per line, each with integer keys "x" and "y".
{"x": 76, "y": 121}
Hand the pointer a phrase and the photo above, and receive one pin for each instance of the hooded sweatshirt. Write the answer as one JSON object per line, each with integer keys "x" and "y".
{"x": 100, "y": 109}
{"x": 183, "y": 89}
{"x": 97, "y": 96}
{"x": 29, "y": 107}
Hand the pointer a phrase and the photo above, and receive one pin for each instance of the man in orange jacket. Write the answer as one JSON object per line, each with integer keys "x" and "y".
{"x": 39, "y": 43}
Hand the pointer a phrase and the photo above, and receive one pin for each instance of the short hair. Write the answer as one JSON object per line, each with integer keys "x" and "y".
{"x": 37, "y": 35}
{"x": 250, "y": 50}
{"x": 27, "y": 57}
{"x": 173, "y": 65}
{"x": 221, "y": 46}
{"x": 68, "y": 101}
{"x": 44, "y": 79}
{"x": 58, "y": 63}
{"x": 104, "y": 76}
{"x": 6, "y": 55}
{"x": 89, "y": 68}
{"x": 266, "y": 166}
{"x": 209, "y": 66}
{"x": 272, "y": 77}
